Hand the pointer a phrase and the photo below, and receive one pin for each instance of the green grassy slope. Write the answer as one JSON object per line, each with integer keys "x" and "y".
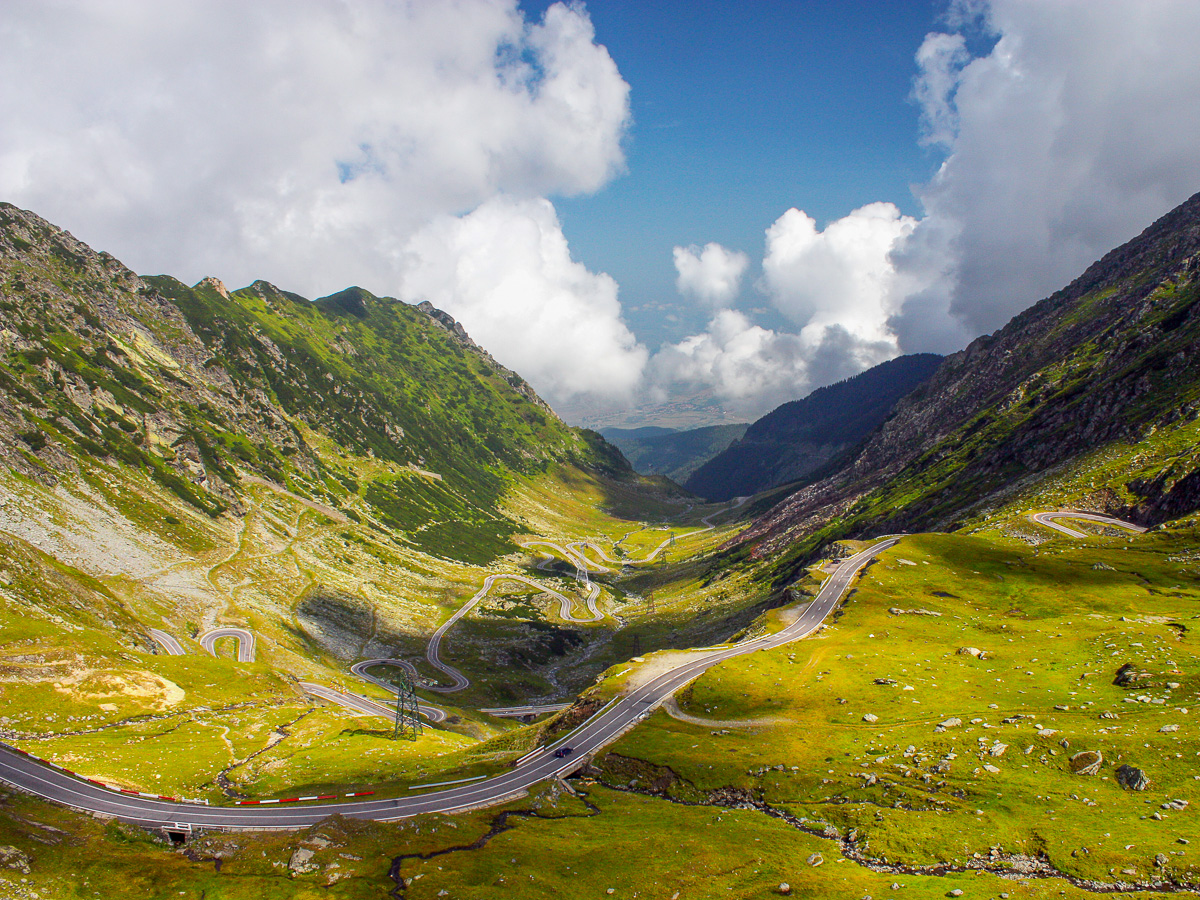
{"x": 338, "y": 476}
{"x": 1055, "y": 622}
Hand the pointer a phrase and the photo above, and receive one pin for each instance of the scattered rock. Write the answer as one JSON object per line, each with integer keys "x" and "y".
{"x": 1086, "y": 762}
{"x": 1103, "y": 567}
{"x": 998, "y": 749}
{"x": 870, "y": 718}
{"x": 1175, "y": 804}
{"x": 1161, "y": 860}
{"x": 1166, "y": 729}
{"x": 301, "y": 861}
{"x": 1132, "y": 778}
{"x": 952, "y": 722}
{"x": 1046, "y": 732}
{"x": 972, "y": 651}
{"x": 785, "y": 888}
{"x": 1108, "y": 715}
{"x": 12, "y": 858}
{"x": 885, "y": 681}
{"x": 1127, "y": 675}
{"x": 957, "y": 892}
{"x": 897, "y": 611}
{"x": 816, "y": 859}
{"x": 988, "y": 767}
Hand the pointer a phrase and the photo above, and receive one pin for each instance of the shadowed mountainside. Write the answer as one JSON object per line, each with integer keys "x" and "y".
{"x": 798, "y": 438}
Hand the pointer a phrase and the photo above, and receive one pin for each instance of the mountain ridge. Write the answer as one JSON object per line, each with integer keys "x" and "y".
{"x": 801, "y": 436}
{"x": 194, "y": 384}
{"x": 1069, "y": 388}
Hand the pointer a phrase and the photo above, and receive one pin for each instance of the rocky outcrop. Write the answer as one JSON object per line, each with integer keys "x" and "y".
{"x": 1132, "y": 778}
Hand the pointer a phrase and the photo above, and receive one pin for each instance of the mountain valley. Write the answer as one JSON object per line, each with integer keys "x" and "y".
{"x": 984, "y": 703}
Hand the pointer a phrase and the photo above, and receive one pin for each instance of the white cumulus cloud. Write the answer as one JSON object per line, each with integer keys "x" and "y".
{"x": 1075, "y": 132}
{"x": 840, "y": 277}
{"x": 505, "y": 271}
{"x": 711, "y": 274}
{"x": 305, "y": 141}
{"x": 837, "y": 285}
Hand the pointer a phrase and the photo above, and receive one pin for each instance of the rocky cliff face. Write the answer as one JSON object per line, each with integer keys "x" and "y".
{"x": 196, "y": 386}
{"x": 1107, "y": 369}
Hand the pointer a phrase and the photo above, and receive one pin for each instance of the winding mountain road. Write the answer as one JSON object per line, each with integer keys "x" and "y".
{"x": 1048, "y": 520}
{"x": 366, "y": 705}
{"x": 167, "y": 641}
{"x": 609, "y": 723}
{"x": 244, "y": 638}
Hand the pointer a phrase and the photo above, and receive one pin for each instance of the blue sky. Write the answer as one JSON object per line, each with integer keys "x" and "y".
{"x": 740, "y": 111}
{"x": 858, "y": 180}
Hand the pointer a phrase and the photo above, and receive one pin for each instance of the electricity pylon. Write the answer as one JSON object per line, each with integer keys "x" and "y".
{"x": 408, "y": 712}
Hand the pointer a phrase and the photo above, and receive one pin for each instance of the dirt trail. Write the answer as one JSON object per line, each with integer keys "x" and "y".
{"x": 671, "y": 706}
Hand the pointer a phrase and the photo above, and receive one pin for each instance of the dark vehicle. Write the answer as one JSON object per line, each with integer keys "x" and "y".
{"x": 563, "y": 752}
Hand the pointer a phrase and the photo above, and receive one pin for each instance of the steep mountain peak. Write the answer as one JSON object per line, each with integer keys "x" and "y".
{"x": 211, "y": 281}
{"x": 196, "y": 386}
{"x": 351, "y": 301}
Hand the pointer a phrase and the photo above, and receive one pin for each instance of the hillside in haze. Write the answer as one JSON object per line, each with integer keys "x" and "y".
{"x": 1090, "y": 398}
{"x": 799, "y": 437}
{"x": 677, "y": 454}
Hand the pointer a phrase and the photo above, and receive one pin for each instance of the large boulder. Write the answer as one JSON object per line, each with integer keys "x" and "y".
{"x": 1132, "y": 778}
{"x": 1128, "y": 675}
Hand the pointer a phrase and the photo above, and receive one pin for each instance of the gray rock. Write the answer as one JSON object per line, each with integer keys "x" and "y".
{"x": 952, "y": 722}
{"x": 1127, "y": 675}
{"x": 1132, "y": 778}
{"x": 301, "y": 861}
{"x": 784, "y": 888}
{"x": 12, "y": 858}
{"x": 816, "y": 859}
{"x": 870, "y": 718}
{"x": 1175, "y": 804}
{"x": 972, "y": 651}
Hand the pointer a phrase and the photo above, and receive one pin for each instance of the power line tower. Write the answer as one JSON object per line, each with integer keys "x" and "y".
{"x": 408, "y": 712}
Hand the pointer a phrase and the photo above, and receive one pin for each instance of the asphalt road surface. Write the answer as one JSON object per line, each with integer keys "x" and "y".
{"x": 605, "y": 726}
{"x": 365, "y": 704}
{"x": 167, "y": 642}
{"x": 1048, "y": 519}
{"x": 244, "y": 638}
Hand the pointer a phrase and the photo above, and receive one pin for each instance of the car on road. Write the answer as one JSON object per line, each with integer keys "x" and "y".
{"x": 563, "y": 752}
